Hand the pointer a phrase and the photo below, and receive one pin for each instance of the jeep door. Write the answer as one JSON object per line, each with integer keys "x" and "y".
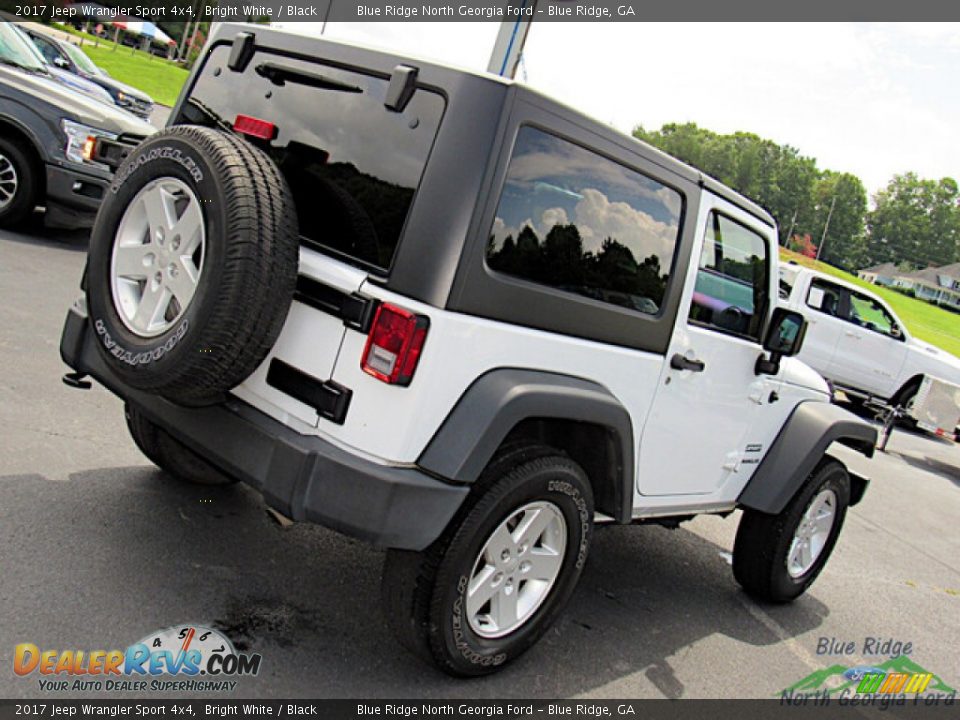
{"x": 703, "y": 427}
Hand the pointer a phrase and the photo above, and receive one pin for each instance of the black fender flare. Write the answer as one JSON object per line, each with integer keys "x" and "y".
{"x": 500, "y": 399}
{"x": 801, "y": 444}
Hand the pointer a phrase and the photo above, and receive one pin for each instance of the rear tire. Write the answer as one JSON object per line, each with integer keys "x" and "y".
{"x": 768, "y": 554}
{"x": 434, "y": 600}
{"x": 171, "y": 455}
{"x": 19, "y": 184}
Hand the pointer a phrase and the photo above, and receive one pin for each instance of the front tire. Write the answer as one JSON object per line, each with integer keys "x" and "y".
{"x": 19, "y": 185}
{"x": 501, "y": 574}
{"x": 777, "y": 557}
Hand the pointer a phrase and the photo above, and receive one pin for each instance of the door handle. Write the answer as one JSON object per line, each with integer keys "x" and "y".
{"x": 680, "y": 362}
{"x": 852, "y": 334}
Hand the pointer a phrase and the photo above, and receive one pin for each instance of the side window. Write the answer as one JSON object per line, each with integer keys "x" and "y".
{"x": 871, "y": 315}
{"x": 49, "y": 52}
{"x": 579, "y": 222}
{"x": 733, "y": 282}
{"x": 825, "y": 297}
{"x": 788, "y": 277}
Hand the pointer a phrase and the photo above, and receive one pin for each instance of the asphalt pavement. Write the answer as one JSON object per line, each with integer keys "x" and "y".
{"x": 98, "y": 548}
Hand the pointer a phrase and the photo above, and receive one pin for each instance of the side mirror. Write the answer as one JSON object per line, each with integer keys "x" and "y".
{"x": 61, "y": 62}
{"x": 784, "y": 338}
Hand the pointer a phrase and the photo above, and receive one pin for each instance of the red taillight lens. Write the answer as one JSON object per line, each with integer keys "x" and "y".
{"x": 255, "y": 127}
{"x": 394, "y": 344}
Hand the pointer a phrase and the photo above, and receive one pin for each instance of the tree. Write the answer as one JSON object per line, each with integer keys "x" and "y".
{"x": 915, "y": 220}
{"x": 803, "y": 244}
{"x": 845, "y": 244}
{"x": 775, "y": 176}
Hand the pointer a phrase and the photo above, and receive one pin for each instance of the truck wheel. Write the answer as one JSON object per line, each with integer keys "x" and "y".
{"x": 193, "y": 264}
{"x": 777, "y": 557}
{"x": 171, "y": 455}
{"x": 19, "y": 185}
{"x": 501, "y": 573}
{"x": 904, "y": 399}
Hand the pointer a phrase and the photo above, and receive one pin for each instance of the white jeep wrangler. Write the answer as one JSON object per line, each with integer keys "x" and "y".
{"x": 445, "y": 314}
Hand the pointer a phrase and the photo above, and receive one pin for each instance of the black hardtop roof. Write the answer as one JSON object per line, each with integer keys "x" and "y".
{"x": 384, "y": 61}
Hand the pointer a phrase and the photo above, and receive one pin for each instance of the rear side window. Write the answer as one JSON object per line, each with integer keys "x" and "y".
{"x": 353, "y": 165}
{"x": 579, "y": 222}
{"x": 732, "y": 289}
{"x": 825, "y": 297}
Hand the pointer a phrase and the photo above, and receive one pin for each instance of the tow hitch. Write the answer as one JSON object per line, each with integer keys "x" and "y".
{"x": 76, "y": 380}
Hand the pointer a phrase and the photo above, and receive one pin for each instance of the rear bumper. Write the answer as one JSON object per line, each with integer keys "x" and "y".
{"x": 302, "y": 476}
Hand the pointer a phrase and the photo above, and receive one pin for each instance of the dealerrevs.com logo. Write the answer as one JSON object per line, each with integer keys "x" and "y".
{"x": 184, "y": 658}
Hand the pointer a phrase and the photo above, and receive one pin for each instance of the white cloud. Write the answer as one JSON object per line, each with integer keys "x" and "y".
{"x": 598, "y": 218}
{"x": 553, "y": 216}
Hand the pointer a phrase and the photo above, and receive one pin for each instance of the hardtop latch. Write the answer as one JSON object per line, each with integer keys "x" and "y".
{"x": 403, "y": 83}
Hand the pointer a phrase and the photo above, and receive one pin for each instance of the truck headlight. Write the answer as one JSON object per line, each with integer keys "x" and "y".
{"x": 81, "y": 141}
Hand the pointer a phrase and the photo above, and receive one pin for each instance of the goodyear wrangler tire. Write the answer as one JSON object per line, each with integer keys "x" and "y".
{"x": 777, "y": 557}
{"x": 192, "y": 265}
{"x": 501, "y": 574}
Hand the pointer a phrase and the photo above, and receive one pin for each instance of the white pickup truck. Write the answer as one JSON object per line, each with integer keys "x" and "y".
{"x": 857, "y": 342}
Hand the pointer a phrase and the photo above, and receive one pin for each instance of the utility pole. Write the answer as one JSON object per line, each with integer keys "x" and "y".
{"x": 183, "y": 40}
{"x": 510, "y": 40}
{"x": 826, "y": 225}
{"x": 793, "y": 221}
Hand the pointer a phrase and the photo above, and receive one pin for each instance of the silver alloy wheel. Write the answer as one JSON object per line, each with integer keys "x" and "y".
{"x": 516, "y": 569}
{"x": 9, "y": 182}
{"x": 157, "y": 258}
{"x": 812, "y": 533}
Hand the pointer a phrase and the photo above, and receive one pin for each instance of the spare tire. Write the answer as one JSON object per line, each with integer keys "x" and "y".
{"x": 192, "y": 264}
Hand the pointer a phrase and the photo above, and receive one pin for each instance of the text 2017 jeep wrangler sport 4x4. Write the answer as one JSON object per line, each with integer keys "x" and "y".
{"x": 445, "y": 314}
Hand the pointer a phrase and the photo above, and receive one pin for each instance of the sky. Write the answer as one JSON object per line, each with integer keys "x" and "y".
{"x": 871, "y": 99}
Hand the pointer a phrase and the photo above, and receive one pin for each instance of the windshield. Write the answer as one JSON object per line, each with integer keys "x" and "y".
{"x": 15, "y": 49}
{"x": 80, "y": 59}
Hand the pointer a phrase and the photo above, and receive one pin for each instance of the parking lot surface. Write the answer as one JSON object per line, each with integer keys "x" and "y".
{"x": 98, "y": 548}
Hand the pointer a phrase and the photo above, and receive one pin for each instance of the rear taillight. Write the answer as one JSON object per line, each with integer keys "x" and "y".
{"x": 255, "y": 127}
{"x": 394, "y": 344}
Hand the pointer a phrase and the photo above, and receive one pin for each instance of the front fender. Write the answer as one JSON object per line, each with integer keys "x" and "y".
{"x": 40, "y": 128}
{"x": 926, "y": 359}
{"x": 800, "y": 445}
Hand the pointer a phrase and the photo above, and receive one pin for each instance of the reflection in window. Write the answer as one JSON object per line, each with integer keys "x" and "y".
{"x": 869, "y": 314}
{"x": 353, "y": 165}
{"x": 731, "y": 292}
{"x": 576, "y": 221}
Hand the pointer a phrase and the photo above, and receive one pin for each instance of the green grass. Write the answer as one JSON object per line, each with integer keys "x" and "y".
{"x": 158, "y": 78}
{"x": 161, "y": 79}
{"x": 928, "y": 322}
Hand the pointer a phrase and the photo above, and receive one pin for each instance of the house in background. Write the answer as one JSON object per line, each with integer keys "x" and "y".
{"x": 938, "y": 285}
{"x": 880, "y": 274}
